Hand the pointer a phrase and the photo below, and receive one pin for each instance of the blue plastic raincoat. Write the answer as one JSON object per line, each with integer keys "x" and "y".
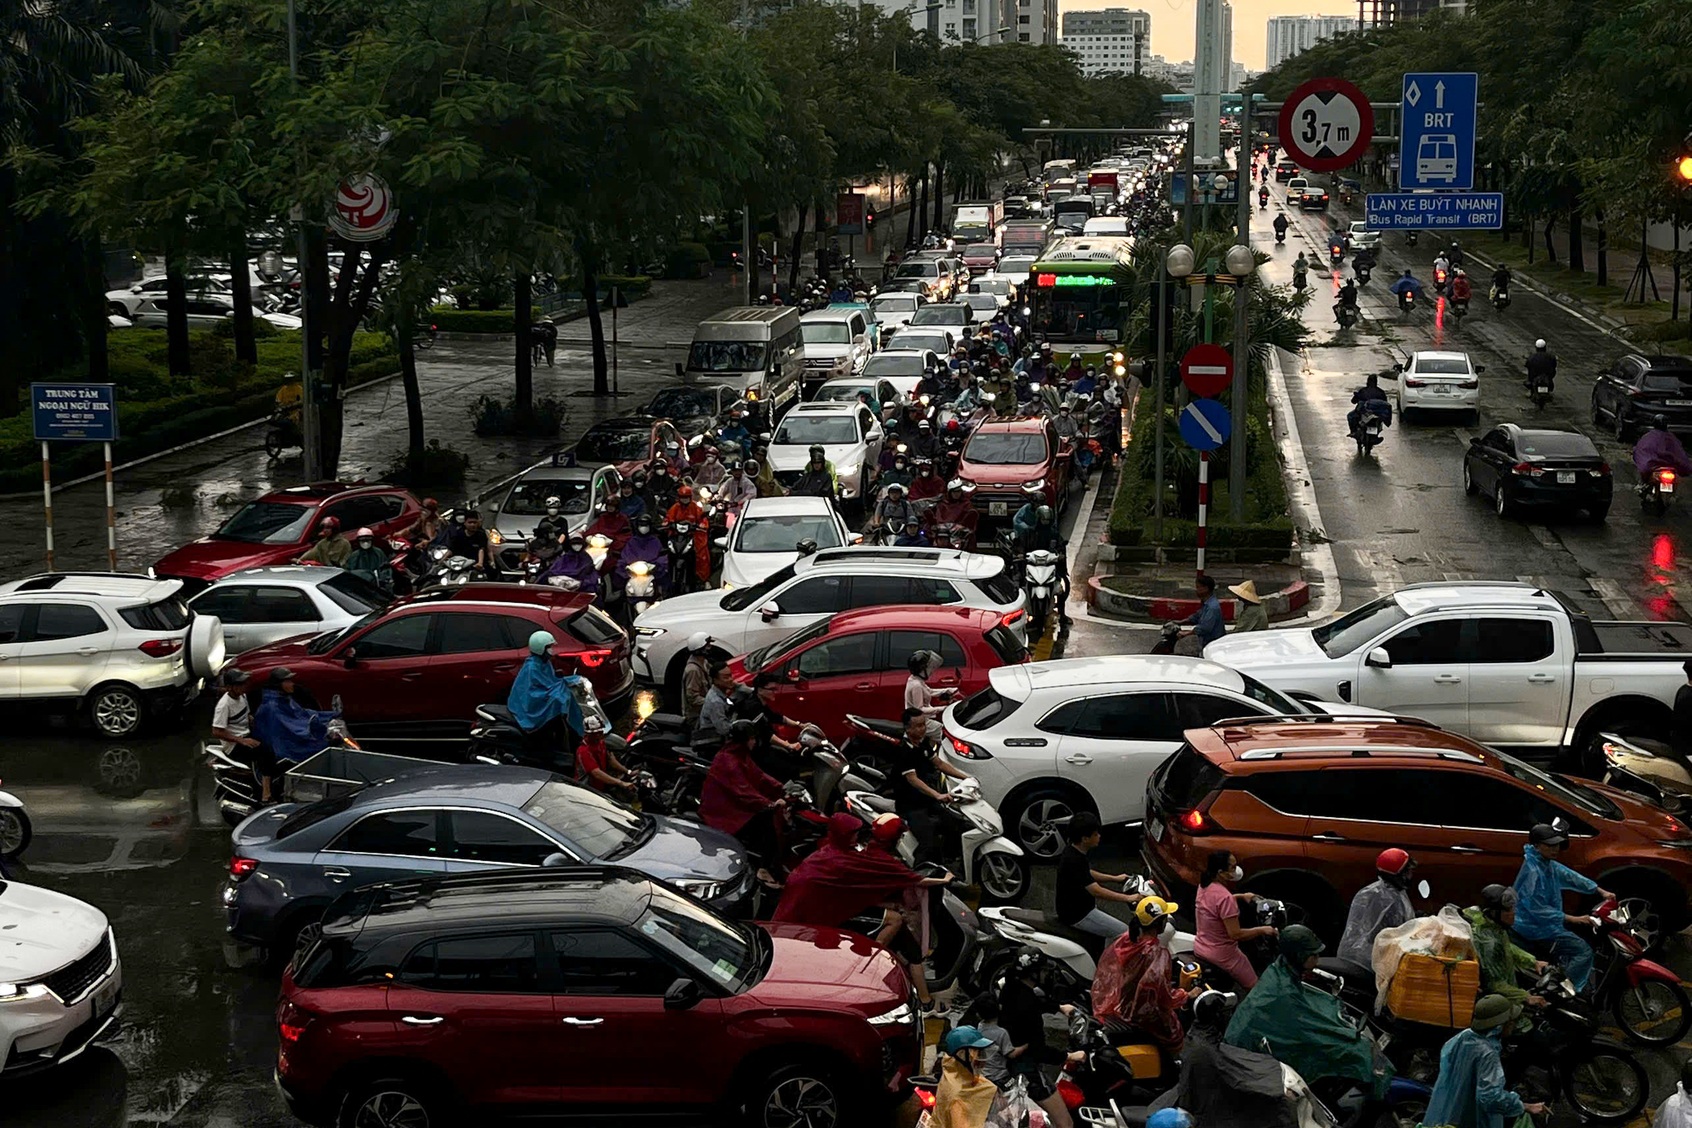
{"x": 1471, "y": 1091}
{"x": 290, "y": 730}
{"x": 540, "y": 694}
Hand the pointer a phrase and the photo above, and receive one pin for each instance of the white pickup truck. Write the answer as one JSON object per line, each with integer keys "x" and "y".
{"x": 1505, "y": 663}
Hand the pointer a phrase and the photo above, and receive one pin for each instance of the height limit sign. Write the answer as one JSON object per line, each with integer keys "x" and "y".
{"x": 1326, "y": 124}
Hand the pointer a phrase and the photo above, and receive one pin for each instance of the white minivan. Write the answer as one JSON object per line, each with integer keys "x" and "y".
{"x": 837, "y": 343}
{"x": 756, "y": 349}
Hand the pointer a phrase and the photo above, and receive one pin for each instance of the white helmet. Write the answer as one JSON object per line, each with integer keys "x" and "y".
{"x": 364, "y": 534}
{"x": 698, "y": 640}
{"x": 1540, "y": 344}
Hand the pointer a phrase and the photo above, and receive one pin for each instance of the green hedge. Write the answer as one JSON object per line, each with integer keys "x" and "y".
{"x": 448, "y": 320}
{"x": 633, "y": 286}
{"x": 687, "y": 260}
{"x": 1661, "y": 331}
{"x": 157, "y": 411}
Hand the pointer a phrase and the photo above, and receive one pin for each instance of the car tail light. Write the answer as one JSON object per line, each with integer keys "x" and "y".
{"x": 1603, "y": 470}
{"x": 1666, "y": 476}
{"x": 242, "y": 868}
{"x": 1409, "y": 383}
{"x": 160, "y": 647}
{"x": 1469, "y": 384}
{"x": 1524, "y": 470}
{"x": 1196, "y": 821}
{"x": 593, "y": 659}
{"x": 964, "y": 750}
{"x": 291, "y": 1022}
{"x": 1012, "y": 618}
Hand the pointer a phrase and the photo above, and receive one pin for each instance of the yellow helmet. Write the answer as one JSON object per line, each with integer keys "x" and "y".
{"x": 1151, "y": 910}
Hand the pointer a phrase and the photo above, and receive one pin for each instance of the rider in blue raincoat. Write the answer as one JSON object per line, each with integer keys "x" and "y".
{"x": 286, "y": 730}
{"x": 1471, "y": 1091}
{"x": 541, "y": 696}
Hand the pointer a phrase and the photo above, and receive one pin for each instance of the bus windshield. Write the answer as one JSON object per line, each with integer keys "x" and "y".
{"x": 1078, "y": 313}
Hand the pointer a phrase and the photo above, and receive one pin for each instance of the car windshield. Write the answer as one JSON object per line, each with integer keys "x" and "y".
{"x": 1441, "y": 366}
{"x": 267, "y": 522}
{"x": 782, "y": 647}
{"x": 1280, "y": 703}
{"x": 614, "y": 445}
{"x": 1003, "y": 448}
{"x": 803, "y": 430}
{"x": 881, "y": 365}
{"x": 727, "y": 356}
{"x": 1016, "y": 264}
{"x": 1569, "y": 791}
{"x": 932, "y": 341}
{"x": 990, "y": 286}
{"x": 825, "y": 333}
{"x": 599, "y": 827}
{"x": 941, "y": 315}
{"x": 326, "y": 641}
{"x": 1348, "y": 632}
{"x": 841, "y": 393}
{"x": 918, "y": 270}
{"x": 528, "y": 497}
{"x": 720, "y": 951}
{"x": 742, "y": 598}
{"x": 679, "y": 403}
{"x": 779, "y": 533}
{"x": 894, "y": 303}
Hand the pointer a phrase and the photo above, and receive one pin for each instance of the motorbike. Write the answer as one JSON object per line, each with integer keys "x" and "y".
{"x": 684, "y": 573}
{"x": 234, "y": 786}
{"x": 1644, "y": 997}
{"x": 1540, "y": 392}
{"x": 1406, "y": 301}
{"x": 1263, "y": 198}
{"x": 1299, "y": 280}
{"x": 1459, "y": 308}
{"x": 1362, "y": 272}
{"x": 497, "y": 738}
{"x": 1647, "y": 768}
{"x": 1346, "y": 315}
{"x": 1374, "y": 418}
{"x": 1336, "y": 254}
{"x": 1656, "y": 488}
{"x": 1410, "y": 238}
{"x": 1280, "y": 235}
{"x": 1563, "y": 1054}
{"x": 281, "y": 432}
{"x": 1167, "y": 637}
{"x": 1043, "y": 585}
{"x": 15, "y": 828}
{"x": 976, "y": 836}
{"x": 1439, "y": 280}
{"x": 640, "y": 593}
{"x": 1500, "y": 298}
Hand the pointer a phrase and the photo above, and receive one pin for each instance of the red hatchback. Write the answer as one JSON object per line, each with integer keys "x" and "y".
{"x": 416, "y": 670}
{"x": 278, "y": 527}
{"x": 858, "y": 662}
{"x": 585, "y": 992}
{"x": 1004, "y": 455}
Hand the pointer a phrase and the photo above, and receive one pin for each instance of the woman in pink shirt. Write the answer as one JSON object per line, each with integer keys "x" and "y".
{"x": 1217, "y": 908}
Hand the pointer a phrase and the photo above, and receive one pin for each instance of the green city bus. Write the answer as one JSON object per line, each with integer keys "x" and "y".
{"x": 1079, "y": 293}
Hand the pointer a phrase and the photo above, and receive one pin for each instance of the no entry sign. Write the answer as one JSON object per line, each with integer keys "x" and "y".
{"x": 1326, "y": 124}
{"x": 1207, "y": 370}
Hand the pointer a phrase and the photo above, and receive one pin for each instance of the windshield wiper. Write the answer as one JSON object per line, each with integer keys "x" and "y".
{"x": 648, "y": 827}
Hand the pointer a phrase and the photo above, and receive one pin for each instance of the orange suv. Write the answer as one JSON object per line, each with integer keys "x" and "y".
{"x": 1307, "y": 803}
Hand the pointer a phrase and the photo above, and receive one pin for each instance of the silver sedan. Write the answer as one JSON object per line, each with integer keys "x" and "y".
{"x": 264, "y": 605}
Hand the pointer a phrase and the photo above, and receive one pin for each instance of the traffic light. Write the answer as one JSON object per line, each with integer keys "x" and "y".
{"x": 1683, "y": 169}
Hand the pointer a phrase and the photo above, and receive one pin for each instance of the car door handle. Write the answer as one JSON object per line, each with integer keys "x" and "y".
{"x": 862, "y": 686}
{"x": 413, "y": 1020}
{"x": 1078, "y": 758}
{"x": 1447, "y": 679}
{"x": 336, "y": 873}
{"x": 87, "y": 651}
{"x": 1467, "y": 849}
{"x": 573, "y": 1021}
{"x": 1541, "y": 679}
{"x": 1327, "y": 836}
{"x": 411, "y": 676}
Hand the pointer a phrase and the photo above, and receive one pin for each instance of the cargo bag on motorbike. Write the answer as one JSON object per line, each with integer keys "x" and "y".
{"x": 1426, "y": 970}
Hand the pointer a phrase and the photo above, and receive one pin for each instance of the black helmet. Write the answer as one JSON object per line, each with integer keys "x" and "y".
{"x": 806, "y": 547}
{"x": 1496, "y": 899}
{"x": 744, "y": 729}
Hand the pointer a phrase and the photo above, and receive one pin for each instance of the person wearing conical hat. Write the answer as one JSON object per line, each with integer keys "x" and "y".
{"x": 1252, "y": 616}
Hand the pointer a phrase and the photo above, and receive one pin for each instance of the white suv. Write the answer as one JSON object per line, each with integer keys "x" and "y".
{"x": 816, "y": 587}
{"x": 1438, "y": 381}
{"x": 121, "y": 647}
{"x": 849, "y": 434}
{"x": 61, "y": 985}
{"x": 1048, "y": 739}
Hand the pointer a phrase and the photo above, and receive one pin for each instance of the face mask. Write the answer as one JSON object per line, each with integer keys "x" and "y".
{"x": 1236, "y": 874}
{"x": 365, "y": 543}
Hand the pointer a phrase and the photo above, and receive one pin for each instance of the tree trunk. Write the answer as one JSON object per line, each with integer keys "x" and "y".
{"x": 1604, "y": 254}
{"x": 241, "y": 289}
{"x": 94, "y": 310}
{"x": 596, "y": 324}
{"x": 918, "y": 225}
{"x": 939, "y": 195}
{"x": 317, "y": 323}
{"x": 413, "y": 392}
{"x": 1550, "y": 247}
{"x": 1577, "y": 249}
{"x": 176, "y": 315}
{"x": 524, "y": 401}
{"x": 798, "y": 253}
{"x": 357, "y": 282}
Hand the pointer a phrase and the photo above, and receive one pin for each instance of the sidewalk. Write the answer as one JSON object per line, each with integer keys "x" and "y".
{"x": 203, "y": 484}
{"x": 1607, "y": 304}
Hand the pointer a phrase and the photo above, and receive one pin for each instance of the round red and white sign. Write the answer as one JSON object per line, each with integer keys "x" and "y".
{"x": 1326, "y": 124}
{"x": 364, "y": 209}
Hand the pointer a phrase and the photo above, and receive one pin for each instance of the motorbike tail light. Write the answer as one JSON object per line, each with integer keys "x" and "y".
{"x": 964, "y": 750}
{"x": 1526, "y": 470}
{"x": 593, "y": 659}
{"x": 242, "y": 868}
{"x": 1071, "y": 1093}
{"x": 925, "y": 1098}
{"x": 1666, "y": 476}
{"x": 160, "y": 647}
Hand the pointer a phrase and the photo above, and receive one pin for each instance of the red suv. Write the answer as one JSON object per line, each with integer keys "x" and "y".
{"x": 1308, "y": 804}
{"x": 858, "y": 662}
{"x": 278, "y": 527}
{"x": 592, "y": 992}
{"x": 418, "y": 668}
{"x": 1004, "y": 455}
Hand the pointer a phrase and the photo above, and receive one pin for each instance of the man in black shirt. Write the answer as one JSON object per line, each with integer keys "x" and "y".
{"x": 780, "y": 758}
{"x": 1080, "y": 887}
{"x": 471, "y": 540}
{"x": 918, "y": 790}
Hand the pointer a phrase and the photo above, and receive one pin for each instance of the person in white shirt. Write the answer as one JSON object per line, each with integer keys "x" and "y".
{"x": 232, "y": 722}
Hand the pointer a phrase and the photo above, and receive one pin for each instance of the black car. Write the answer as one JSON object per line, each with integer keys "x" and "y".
{"x": 1313, "y": 199}
{"x": 1285, "y": 171}
{"x": 695, "y": 409}
{"x": 1519, "y": 467}
{"x": 1630, "y": 392}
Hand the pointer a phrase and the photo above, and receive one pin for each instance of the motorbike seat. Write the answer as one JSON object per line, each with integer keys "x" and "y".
{"x": 894, "y": 729}
{"x": 1355, "y": 976}
{"x": 498, "y": 714}
{"x": 1052, "y": 926}
{"x": 665, "y": 721}
{"x": 881, "y": 804}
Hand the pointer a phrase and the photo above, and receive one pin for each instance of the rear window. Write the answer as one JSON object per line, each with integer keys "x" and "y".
{"x": 165, "y": 615}
{"x": 1441, "y": 366}
{"x": 985, "y": 709}
{"x": 1670, "y": 381}
{"x": 309, "y": 816}
{"x": 594, "y": 628}
{"x": 1185, "y": 779}
{"x": 354, "y": 594}
{"x": 1005, "y": 645}
{"x": 1554, "y": 444}
{"x": 1000, "y": 588}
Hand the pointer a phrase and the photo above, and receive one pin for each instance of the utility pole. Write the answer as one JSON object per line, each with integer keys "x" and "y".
{"x": 1237, "y": 399}
{"x": 310, "y": 443}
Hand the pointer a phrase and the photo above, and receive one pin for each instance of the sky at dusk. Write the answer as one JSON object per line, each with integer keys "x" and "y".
{"x": 1172, "y": 22}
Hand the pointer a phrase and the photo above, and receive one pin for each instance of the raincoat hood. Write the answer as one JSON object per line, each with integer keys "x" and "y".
{"x": 540, "y": 694}
{"x": 1304, "y": 1028}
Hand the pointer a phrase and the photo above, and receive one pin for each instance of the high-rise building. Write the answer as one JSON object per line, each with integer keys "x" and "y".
{"x": 1109, "y": 40}
{"x": 1225, "y": 64}
{"x": 978, "y": 21}
{"x": 1294, "y": 35}
{"x": 1036, "y": 21}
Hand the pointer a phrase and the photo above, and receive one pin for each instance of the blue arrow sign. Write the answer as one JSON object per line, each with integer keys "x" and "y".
{"x": 1205, "y": 424}
{"x": 1436, "y": 135}
{"x": 1418, "y": 211}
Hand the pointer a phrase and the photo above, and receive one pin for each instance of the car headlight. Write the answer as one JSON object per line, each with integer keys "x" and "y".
{"x": 649, "y": 632}
{"x": 704, "y": 890}
{"x": 21, "y": 992}
{"x": 898, "y": 1016}
{"x": 494, "y": 537}
{"x": 1034, "y": 483}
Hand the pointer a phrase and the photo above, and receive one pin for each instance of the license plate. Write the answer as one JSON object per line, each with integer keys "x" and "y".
{"x": 1678, "y": 403}
{"x": 997, "y": 508}
{"x": 1154, "y": 827}
{"x": 1665, "y": 487}
{"x": 106, "y": 998}
{"x": 1565, "y": 477}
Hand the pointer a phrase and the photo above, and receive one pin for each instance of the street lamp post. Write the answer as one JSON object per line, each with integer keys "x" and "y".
{"x": 1178, "y": 264}
{"x": 1001, "y": 30}
{"x": 913, "y": 12}
{"x": 1241, "y": 263}
{"x": 309, "y": 439}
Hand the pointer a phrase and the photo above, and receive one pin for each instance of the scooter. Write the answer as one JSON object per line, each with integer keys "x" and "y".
{"x": 15, "y": 828}
{"x": 1371, "y": 426}
{"x": 1656, "y": 488}
{"x": 1041, "y": 581}
{"x": 1459, "y": 309}
{"x": 1439, "y": 281}
{"x": 683, "y": 566}
{"x": 1346, "y": 315}
{"x": 1647, "y": 768}
{"x": 1167, "y": 637}
{"x": 1362, "y": 272}
{"x": 640, "y": 593}
{"x": 1263, "y": 198}
{"x": 987, "y": 856}
{"x": 1540, "y": 392}
{"x": 1410, "y": 238}
{"x": 1564, "y": 1054}
{"x": 1280, "y": 235}
{"x": 1406, "y": 301}
{"x": 1500, "y": 298}
{"x": 1299, "y": 280}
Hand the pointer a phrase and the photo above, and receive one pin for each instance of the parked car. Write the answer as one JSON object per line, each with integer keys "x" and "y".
{"x": 1503, "y": 663}
{"x": 1439, "y": 381}
{"x": 765, "y": 539}
{"x": 264, "y": 605}
{"x": 895, "y": 309}
{"x": 695, "y": 409}
{"x": 202, "y": 311}
{"x": 290, "y": 860}
{"x": 1004, "y": 455}
{"x": 120, "y": 649}
{"x": 1519, "y": 468}
{"x": 278, "y": 528}
{"x": 1630, "y": 393}
{"x": 417, "y": 669}
{"x": 628, "y": 444}
{"x": 1312, "y": 802}
{"x": 1048, "y": 739}
{"x": 816, "y": 587}
{"x": 125, "y": 301}
{"x": 61, "y": 982}
{"x": 580, "y": 488}
{"x": 858, "y": 662}
{"x": 850, "y": 435}
{"x": 557, "y": 992}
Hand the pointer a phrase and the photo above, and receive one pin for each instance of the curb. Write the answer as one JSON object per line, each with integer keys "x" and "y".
{"x": 1280, "y": 604}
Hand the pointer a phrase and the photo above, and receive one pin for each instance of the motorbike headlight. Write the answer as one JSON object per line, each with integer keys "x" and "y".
{"x": 640, "y": 568}
{"x": 704, "y": 890}
{"x": 898, "y": 1016}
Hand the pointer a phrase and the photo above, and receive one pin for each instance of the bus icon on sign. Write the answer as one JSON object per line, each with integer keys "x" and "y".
{"x": 1436, "y": 158}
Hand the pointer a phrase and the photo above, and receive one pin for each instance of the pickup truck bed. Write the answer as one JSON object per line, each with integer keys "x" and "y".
{"x": 1623, "y": 639}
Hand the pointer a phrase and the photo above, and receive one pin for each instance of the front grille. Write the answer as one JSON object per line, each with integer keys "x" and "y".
{"x": 72, "y": 982}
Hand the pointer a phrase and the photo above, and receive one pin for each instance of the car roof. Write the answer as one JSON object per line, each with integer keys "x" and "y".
{"x": 787, "y": 506}
{"x": 625, "y": 423}
{"x": 455, "y": 784}
{"x": 970, "y": 565}
{"x": 1016, "y": 424}
{"x": 505, "y": 596}
{"x": 605, "y": 893}
{"x": 1438, "y": 595}
{"x": 1438, "y": 354}
{"x": 323, "y": 491}
{"x": 124, "y": 586}
{"x": 919, "y": 616}
{"x": 833, "y": 407}
{"x": 1317, "y": 737}
{"x": 1664, "y": 360}
{"x": 305, "y": 575}
{"x": 550, "y": 473}
{"x": 831, "y": 314}
{"x": 1114, "y": 670}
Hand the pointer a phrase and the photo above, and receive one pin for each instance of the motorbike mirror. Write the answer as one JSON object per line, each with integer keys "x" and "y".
{"x": 682, "y": 994}
{"x": 1379, "y": 659}
{"x": 554, "y": 860}
{"x": 1423, "y": 889}
{"x": 1398, "y": 368}
{"x": 1479, "y": 368}
{"x": 769, "y": 612}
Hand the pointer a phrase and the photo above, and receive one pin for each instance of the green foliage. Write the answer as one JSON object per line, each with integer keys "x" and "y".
{"x": 687, "y": 260}
{"x": 473, "y": 320}
{"x": 437, "y": 467}
{"x": 631, "y": 286}
{"x": 495, "y": 417}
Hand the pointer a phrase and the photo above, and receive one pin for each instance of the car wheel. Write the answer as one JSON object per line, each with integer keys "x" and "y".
{"x": 389, "y": 1102}
{"x": 797, "y": 1096}
{"x": 117, "y": 710}
{"x": 1004, "y": 878}
{"x": 1597, "y": 412}
{"x": 1469, "y": 486}
{"x": 1040, "y": 822}
{"x": 15, "y": 832}
{"x": 1620, "y": 427}
{"x": 1501, "y": 501}
{"x": 1598, "y": 513}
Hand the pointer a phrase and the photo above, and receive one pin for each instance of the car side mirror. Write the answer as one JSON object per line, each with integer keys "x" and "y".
{"x": 1379, "y": 659}
{"x": 554, "y": 860}
{"x": 720, "y": 542}
{"x": 794, "y": 676}
{"x": 683, "y": 994}
{"x": 769, "y": 612}
{"x": 350, "y": 658}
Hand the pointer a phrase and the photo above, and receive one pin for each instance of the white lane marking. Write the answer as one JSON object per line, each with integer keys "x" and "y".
{"x": 1546, "y": 538}
{"x": 1615, "y": 597}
